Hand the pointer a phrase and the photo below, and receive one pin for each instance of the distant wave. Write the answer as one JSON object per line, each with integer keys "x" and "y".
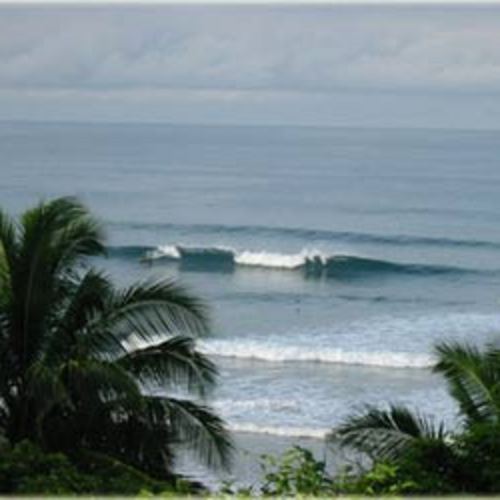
{"x": 402, "y": 300}
{"x": 285, "y": 431}
{"x": 246, "y": 349}
{"x": 259, "y": 404}
{"x": 312, "y": 262}
{"x": 316, "y": 234}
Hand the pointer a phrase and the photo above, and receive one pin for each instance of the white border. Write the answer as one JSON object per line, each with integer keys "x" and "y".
{"x": 303, "y": 3}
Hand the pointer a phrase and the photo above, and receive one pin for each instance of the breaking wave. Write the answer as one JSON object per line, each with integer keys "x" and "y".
{"x": 285, "y": 431}
{"x": 251, "y": 349}
{"x": 310, "y": 261}
{"x": 259, "y": 404}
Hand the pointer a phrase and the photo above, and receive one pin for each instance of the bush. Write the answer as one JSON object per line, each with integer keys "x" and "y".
{"x": 382, "y": 479}
{"x": 296, "y": 473}
{"x": 425, "y": 468}
{"x": 433, "y": 466}
{"x": 479, "y": 450}
{"x": 26, "y": 469}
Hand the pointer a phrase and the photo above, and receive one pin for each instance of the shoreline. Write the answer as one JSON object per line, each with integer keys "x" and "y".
{"x": 250, "y": 447}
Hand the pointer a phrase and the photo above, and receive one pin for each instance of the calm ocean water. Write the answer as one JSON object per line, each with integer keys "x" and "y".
{"x": 332, "y": 258}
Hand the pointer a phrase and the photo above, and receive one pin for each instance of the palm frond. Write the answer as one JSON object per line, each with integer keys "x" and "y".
{"x": 103, "y": 383}
{"x": 384, "y": 434}
{"x": 8, "y": 253}
{"x": 47, "y": 390}
{"x": 473, "y": 379}
{"x": 153, "y": 309}
{"x": 199, "y": 428}
{"x": 53, "y": 236}
{"x": 65, "y": 227}
{"x": 81, "y": 326}
{"x": 174, "y": 363}
{"x": 139, "y": 438}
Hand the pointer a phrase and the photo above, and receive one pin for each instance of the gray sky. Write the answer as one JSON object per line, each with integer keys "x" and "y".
{"x": 323, "y": 65}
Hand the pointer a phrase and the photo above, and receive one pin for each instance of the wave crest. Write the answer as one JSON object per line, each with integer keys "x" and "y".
{"x": 311, "y": 261}
{"x": 320, "y": 354}
{"x": 285, "y": 431}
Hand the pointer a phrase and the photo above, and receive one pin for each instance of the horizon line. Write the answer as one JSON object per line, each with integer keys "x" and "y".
{"x": 35, "y": 121}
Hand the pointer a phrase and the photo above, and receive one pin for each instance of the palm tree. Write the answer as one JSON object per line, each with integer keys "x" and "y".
{"x": 78, "y": 356}
{"x": 473, "y": 380}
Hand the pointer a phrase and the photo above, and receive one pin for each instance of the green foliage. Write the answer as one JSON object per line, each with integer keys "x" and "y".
{"x": 228, "y": 488}
{"x": 479, "y": 452}
{"x": 383, "y": 479}
{"x": 26, "y": 469}
{"x": 433, "y": 466}
{"x": 297, "y": 472}
{"x": 386, "y": 434}
{"x": 424, "y": 470}
{"x": 473, "y": 378}
{"x": 412, "y": 455}
{"x": 75, "y": 351}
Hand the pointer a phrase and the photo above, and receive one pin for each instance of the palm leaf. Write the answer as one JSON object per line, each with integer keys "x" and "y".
{"x": 53, "y": 236}
{"x": 153, "y": 309}
{"x": 47, "y": 389}
{"x": 65, "y": 228}
{"x": 473, "y": 379}
{"x": 82, "y": 326}
{"x": 103, "y": 382}
{"x": 173, "y": 363}
{"x": 8, "y": 254}
{"x": 199, "y": 428}
{"x": 384, "y": 434}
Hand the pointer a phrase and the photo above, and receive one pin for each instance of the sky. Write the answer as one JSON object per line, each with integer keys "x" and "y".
{"x": 335, "y": 65}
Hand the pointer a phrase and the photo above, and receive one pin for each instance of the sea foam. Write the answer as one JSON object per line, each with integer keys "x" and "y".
{"x": 266, "y": 351}
{"x": 280, "y": 260}
{"x": 285, "y": 431}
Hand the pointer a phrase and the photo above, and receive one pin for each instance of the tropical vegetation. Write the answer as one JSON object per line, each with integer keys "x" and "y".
{"x": 79, "y": 357}
{"x": 430, "y": 456}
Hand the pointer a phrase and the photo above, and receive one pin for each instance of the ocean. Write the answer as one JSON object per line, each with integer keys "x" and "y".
{"x": 332, "y": 259}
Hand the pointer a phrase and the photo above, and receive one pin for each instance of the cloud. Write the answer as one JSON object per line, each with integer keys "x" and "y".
{"x": 259, "y": 48}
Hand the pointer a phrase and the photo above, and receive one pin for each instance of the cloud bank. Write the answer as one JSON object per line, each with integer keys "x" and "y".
{"x": 254, "y": 53}
{"x": 298, "y": 49}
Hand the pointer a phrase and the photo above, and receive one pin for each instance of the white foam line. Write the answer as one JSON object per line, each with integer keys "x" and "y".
{"x": 284, "y": 431}
{"x": 249, "y": 258}
{"x": 170, "y": 251}
{"x": 279, "y": 260}
{"x": 256, "y": 404}
{"x": 280, "y": 353}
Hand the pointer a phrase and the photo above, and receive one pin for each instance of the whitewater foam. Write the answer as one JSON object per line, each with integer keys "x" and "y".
{"x": 273, "y": 352}
{"x": 311, "y": 260}
{"x": 165, "y": 251}
{"x": 260, "y": 404}
{"x": 285, "y": 431}
{"x": 244, "y": 258}
{"x": 279, "y": 260}
{"x": 371, "y": 342}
